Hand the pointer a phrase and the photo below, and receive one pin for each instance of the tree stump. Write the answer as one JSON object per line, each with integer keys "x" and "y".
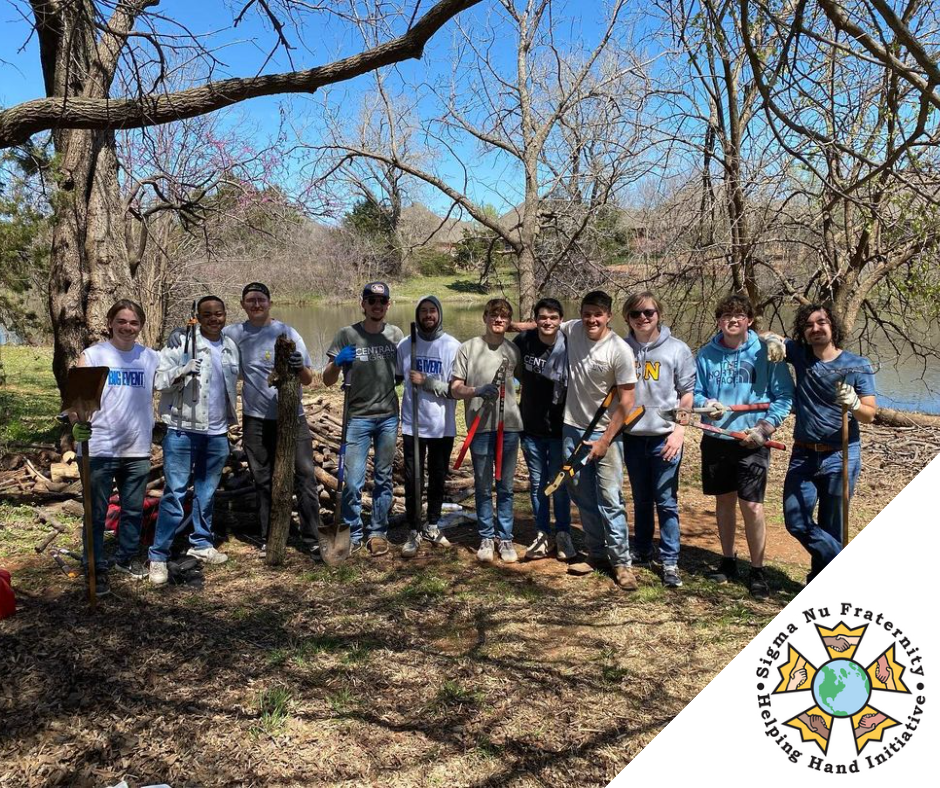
{"x": 282, "y": 478}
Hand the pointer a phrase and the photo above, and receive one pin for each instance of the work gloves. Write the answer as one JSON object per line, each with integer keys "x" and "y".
{"x": 346, "y": 356}
{"x": 176, "y": 337}
{"x": 715, "y": 409}
{"x": 846, "y": 396}
{"x": 295, "y": 361}
{"x": 81, "y": 431}
{"x": 487, "y": 391}
{"x": 757, "y": 436}
{"x": 191, "y": 367}
{"x": 776, "y": 349}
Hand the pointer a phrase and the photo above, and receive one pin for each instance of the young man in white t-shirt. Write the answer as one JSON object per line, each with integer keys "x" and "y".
{"x": 119, "y": 437}
{"x": 197, "y": 404}
{"x": 597, "y": 360}
{"x": 437, "y": 425}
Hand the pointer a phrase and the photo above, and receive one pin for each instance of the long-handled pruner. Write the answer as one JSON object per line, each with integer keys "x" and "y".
{"x": 81, "y": 400}
{"x": 191, "y": 329}
{"x": 497, "y": 379}
{"x": 687, "y": 419}
{"x": 671, "y": 414}
{"x": 575, "y": 460}
{"x": 417, "y": 470}
{"x": 499, "y": 425}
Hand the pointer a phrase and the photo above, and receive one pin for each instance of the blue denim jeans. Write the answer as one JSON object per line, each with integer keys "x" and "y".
{"x": 597, "y": 489}
{"x": 654, "y": 483}
{"x": 202, "y": 457}
{"x": 817, "y": 476}
{"x": 362, "y": 433}
{"x": 130, "y": 474}
{"x": 483, "y": 454}
{"x": 544, "y": 458}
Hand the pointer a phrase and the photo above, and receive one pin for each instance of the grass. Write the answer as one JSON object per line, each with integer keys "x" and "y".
{"x": 29, "y": 399}
{"x": 274, "y": 706}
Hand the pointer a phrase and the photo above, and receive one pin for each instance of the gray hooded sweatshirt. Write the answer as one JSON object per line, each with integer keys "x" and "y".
{"x": 665, "y": 370}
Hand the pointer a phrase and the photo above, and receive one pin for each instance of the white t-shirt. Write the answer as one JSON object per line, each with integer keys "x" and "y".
{"x": 218, "y": 400}
{"x": 436, "y": 360}
{"x": 123, "y": 426}
{"x": 593, "y": 367}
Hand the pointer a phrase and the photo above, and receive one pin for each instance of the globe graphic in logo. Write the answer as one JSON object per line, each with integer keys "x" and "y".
{"x": 841, "y": 687}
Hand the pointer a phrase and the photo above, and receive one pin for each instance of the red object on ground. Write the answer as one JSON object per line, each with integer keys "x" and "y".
{"x": 7, "y": 597}
{"x": 148, "y": 525}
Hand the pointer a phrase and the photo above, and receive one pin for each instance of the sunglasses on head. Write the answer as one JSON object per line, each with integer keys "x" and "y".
{"x": 635, "y": 313}
{"x": 372, "y": 300}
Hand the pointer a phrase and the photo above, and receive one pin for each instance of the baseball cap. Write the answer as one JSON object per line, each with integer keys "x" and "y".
{"x": 256, "y": 287}
{"x": 376, "y": 289}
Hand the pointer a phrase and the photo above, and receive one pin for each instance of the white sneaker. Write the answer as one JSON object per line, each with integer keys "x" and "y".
{"x": 433, "y": 535}
{"x": 158, "y": 573}
{"x": 485, "y": 553}
{"x": 564, "y": 547}
{"x": 540, "y": 548}
{"x": 209, "y": 555}
{"x": 507, "y": 552}
{"x": 410, "y": 548}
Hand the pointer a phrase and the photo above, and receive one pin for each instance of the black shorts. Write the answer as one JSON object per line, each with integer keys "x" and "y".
{"x": 727, "y": 466}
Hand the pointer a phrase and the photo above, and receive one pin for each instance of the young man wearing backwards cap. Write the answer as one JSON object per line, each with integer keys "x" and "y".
{"x": 437, "y": 426}
{"x": 368, "y": 352}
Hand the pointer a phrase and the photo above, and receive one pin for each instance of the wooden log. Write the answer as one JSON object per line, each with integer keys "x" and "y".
{"x": 897, "y": 418}
{"x": 63, "y": 471}
{"x": 284, "y": 379}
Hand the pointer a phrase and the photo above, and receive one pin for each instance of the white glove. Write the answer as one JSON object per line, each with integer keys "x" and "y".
{"x": 715, "y": 409}
{"x": 191, "y": 367}
{"x": 757, "y": 436}
{"x": 845, "y": 395}
{"x": 776, "y": 349}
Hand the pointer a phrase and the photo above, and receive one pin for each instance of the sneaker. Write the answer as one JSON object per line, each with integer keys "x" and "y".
{"x": 102, "y": 584}
{"x": 208, "y": 555}
{"x": 134, "y": 568}
{"x": 158, "y": 573}
{"x": 540, "y": 548}
{"x": 263, "y": 551}
{"x": 757, "y": 583}
{"x": 377, "y": 545}
{"x": 564, "y": 547}
{"x": 671, "y": 577}
{"x": 641, "y": 559}
{"x": 410, "y": 548}
{"x": 623, "y": 577}
{"x": 726, "y": 572}
{"x": 485, "y": 553}
{"x": 507, "y": 553}
{"x": 354, "y": 547}
{"x": 433, "y": 535}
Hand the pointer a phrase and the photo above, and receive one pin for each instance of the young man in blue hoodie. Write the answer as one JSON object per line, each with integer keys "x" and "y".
{"x": 665, "y": 370}
{"x": 733, "y": 369}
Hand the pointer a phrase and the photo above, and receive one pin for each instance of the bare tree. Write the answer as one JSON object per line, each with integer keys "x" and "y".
{"x": 84, "y": 45}
{"x": 556, "y": 129}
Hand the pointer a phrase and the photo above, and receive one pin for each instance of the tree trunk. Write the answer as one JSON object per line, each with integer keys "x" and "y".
{"x": 896, "y": 418}
{"x": 527, "y": 290}
{"x": 282, "y": 479}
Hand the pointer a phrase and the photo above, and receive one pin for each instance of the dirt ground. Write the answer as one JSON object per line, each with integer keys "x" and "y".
{"x": 430, "y": 672}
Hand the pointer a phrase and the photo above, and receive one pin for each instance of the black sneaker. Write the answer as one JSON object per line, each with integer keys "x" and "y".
{"x": 726, "y": 572}
{"x": 671, "y": 577}
{"x": 102, "y": 584}
{"x": 757, "y": 583}
{"x": 134, "y": 568}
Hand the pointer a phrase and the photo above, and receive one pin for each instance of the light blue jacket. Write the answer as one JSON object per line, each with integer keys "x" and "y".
{"x": 739, "y": 376}
{"x": 176, "y": 395}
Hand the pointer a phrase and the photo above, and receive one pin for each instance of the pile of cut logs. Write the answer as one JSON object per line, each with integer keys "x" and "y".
{"x": 236, "y": 492}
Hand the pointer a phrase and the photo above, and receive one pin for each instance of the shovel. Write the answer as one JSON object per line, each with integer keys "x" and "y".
{"x": 82, "y": 399}
{"x": 335, "y": 538}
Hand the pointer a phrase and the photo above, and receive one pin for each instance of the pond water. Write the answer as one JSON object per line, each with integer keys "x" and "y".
{"x": 899, "y": 380}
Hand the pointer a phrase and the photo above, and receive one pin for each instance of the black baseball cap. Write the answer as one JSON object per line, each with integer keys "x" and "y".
{"x": 256, "y": 287}
{"x": 376, "y": 289}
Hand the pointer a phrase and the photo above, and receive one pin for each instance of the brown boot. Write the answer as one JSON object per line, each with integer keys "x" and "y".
{"x": 588, "y": 565}
{"x": 623, "y": 577}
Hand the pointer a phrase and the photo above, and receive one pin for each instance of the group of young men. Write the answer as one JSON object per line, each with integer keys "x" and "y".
{"x": 580, "y": 383}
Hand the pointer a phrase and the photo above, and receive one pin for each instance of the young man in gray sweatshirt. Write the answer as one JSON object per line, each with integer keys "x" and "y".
{"x": 665, "y": 370}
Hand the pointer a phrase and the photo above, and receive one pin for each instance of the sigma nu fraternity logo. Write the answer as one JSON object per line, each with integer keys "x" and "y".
{"x": 841, "y": 692}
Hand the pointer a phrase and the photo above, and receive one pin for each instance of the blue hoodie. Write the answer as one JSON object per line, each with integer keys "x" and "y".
{"x": 739, "y": 376}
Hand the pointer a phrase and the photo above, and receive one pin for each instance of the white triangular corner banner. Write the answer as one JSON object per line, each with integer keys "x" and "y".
{"x": 840, "y": 685}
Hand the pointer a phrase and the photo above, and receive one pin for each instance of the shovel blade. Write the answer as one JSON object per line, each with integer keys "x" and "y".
{"x": 335, "y": 543}
{"x": 83, "y": 389}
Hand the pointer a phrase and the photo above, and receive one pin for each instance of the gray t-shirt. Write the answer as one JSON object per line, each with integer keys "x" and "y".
{"x": 372, "y": 393}
{"x": 476, "y": 365}
{"x": 256, "y": 349}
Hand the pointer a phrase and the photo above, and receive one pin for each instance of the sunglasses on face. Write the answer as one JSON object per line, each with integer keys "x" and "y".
{"x": 636, "y": 313}
{"x": 373, "y": 300}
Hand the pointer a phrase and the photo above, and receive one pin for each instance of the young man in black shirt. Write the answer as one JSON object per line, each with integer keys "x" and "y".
{"x": 542, "y": 406}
